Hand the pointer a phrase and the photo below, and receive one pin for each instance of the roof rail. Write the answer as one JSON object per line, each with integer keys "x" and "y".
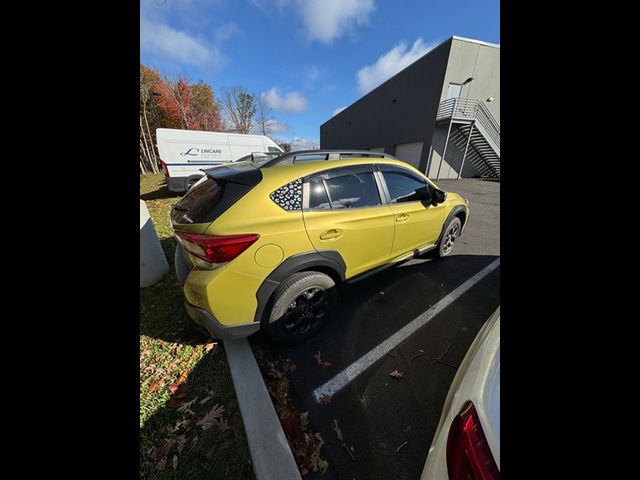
{"x": 329, "y": 154}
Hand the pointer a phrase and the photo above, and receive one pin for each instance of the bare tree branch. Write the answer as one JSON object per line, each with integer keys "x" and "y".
{"x": 264, "y": 114}
{"x": 239, "y": 107}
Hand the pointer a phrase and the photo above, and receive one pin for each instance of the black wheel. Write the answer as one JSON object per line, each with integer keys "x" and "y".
{"x": 181, "y": 265}
{"x": 301, "y": 306}
{"x": 451, "y": 233}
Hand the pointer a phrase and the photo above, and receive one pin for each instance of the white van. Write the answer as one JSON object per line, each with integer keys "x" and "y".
{"x": 184, "y": 153}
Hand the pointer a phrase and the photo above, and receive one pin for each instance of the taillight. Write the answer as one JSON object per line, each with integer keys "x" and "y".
{"x": 217, "y": 248}
{"x": 468, "y": 454}
{"x": 165, "y": 170}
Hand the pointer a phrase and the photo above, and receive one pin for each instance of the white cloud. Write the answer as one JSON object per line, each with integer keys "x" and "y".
{"x": 298, "y": 143}
{"x": 337, "y": 111}
{"x": 326, "y": 20}
{"x": 273, "y": 126}
{"x": 166, "y": 41}
{"x": 225, "y": 31}
{"x": 160, "y": 39}
{"x": 292, "y": 102}
{"x": 391, "y": 63}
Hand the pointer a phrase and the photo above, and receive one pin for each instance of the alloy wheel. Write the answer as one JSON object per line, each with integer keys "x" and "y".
{"x": 306, "y": 311}
{"x": 450, "y": 238}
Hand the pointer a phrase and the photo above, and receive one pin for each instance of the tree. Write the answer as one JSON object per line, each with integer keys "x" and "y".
{"x": 149, "y": 82}
{"x": 263, "y": 114}
{"x": 285, "y": 146}
{"x": 239, "y": 107}
{"x": 204, "y": 108}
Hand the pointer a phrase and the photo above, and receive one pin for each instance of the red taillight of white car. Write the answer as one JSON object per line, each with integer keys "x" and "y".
{"x": 468, "y": 454}
{"x": 217, "y": 248}
{"x": 165, "y": 170}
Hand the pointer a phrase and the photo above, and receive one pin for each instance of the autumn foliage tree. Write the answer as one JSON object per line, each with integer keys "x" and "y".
{"x": 172, "y": 103}
{"x": 205, "y": 110}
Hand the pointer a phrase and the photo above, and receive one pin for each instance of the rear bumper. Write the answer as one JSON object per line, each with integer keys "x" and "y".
{"x": 224, "y": 332}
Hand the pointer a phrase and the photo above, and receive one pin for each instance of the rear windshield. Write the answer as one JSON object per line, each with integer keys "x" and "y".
{"x": 207, "y": 201}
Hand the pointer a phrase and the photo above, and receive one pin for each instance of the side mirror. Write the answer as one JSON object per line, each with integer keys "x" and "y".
{"x": 438, "y": 196}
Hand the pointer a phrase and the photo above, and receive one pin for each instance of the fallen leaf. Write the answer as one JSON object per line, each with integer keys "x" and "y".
{"x": 176, "y": 399}
{"x": 210, "y": 418}
{"x": 205, "y": 400}
{"x": 321, "y": 362}
{"x": 210, "y": 346}
{"x": 336, "y": 428}
{"x": 175, "y": 462}
{"x": 155, "y": 386}
{"x": 161, "y": 464}
{"x": 325, "y": 399}
{"x": 182, "y": 441}
{"x": 181, "y": 379}
{"x": 304, "y": 420}
{"x": 157, "y": 453}
{"x": 396, "y": 374}
{"x": 223, "y": 425}
{"x": 186, "y": 407}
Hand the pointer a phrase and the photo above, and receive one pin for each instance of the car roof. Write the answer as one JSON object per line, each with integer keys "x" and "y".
{"x": 291, "y": 158}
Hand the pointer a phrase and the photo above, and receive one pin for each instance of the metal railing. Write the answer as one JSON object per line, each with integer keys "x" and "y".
{"x": 470, "y": 109}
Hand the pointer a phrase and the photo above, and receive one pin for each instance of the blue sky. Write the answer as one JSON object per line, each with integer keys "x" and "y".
{"x": 309, "y": 57}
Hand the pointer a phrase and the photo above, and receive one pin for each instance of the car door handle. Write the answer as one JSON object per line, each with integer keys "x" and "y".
{"x": 331, "y": 234}
{"x": 403, "y": 217}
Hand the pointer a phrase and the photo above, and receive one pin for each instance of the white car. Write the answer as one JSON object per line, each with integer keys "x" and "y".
{"x": 466, "y": 444}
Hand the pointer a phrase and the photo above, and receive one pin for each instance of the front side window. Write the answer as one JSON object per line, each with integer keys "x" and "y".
{"x": 404, "y": 185}
{"x": 344, "y": 188}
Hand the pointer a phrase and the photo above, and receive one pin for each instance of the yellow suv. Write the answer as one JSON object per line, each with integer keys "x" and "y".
{"x": 266, "y": 242}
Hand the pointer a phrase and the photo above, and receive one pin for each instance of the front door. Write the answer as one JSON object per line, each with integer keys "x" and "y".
{"x": 343, "y": 211}
{"x": 417, "y": 222}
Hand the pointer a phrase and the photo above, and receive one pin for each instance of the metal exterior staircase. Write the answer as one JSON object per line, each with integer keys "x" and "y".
{"x": 475, "y": 131}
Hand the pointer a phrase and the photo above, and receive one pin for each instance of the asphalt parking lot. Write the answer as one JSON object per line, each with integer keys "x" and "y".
{"x": 432, "y": 309}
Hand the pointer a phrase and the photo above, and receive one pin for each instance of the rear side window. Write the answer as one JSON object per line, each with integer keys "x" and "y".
{"x": 289, "y": 196}
{"x": 403, "y": 185}
{"x": 207, "y": 201}
{"x": 346, "y": 188}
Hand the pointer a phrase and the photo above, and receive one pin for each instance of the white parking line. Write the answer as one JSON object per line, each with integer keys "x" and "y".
{"x": 342, "y": 379}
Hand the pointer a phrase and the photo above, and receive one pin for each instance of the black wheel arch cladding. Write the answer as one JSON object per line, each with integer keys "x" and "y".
{"x": 297, "y": 263}
{"x": 454, "y": 212}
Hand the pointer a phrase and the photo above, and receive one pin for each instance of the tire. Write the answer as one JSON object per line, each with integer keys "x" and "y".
{"x": 301, "y": 305}
{"x": 450, "y": 234}
{"x": 181, "y": 265}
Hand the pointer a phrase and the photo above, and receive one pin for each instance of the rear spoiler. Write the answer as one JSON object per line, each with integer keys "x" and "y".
{"x": 242, "y": 174}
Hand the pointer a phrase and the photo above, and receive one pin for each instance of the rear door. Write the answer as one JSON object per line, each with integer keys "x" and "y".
{"x": 343, "y": 211}
{"x": 417, "y": 222}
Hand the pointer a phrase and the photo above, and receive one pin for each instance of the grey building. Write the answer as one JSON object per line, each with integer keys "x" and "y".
{"x": 441, "y": 114}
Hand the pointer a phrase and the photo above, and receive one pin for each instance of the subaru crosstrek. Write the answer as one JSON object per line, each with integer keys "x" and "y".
{"x": 266, "y": 243}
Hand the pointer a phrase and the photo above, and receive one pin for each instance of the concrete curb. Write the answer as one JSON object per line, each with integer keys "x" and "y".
{"x": 270, "y": 453}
